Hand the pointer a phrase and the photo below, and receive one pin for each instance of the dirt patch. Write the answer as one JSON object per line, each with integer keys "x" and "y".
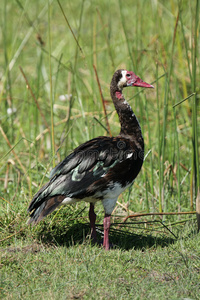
{"x": 33, "y": 248}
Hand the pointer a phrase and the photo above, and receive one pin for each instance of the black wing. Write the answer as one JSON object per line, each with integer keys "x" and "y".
{"x": 91, "y": 168}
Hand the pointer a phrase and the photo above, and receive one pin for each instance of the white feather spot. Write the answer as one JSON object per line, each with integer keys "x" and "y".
{"x": 129, "y": 155}
{"x": 103, "y": 175}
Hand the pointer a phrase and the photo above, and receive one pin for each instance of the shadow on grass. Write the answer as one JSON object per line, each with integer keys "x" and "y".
{"x": 123, "y": 238}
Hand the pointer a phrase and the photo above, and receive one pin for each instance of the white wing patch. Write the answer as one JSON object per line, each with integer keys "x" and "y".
{"x": 68, "y": 200}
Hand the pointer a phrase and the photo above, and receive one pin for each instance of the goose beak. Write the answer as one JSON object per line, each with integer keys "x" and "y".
{"x": 138, "y": 82}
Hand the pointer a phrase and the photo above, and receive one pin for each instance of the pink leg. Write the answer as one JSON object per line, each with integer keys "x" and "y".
{"x": 92, "y": 217}
{"x": 106, "y": 224}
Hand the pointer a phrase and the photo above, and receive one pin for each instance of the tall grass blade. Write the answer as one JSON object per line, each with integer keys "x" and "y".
{"x": 125, "y": 33}
{"x": 34, "y": 98}
{"x": 7, "y": 80}
{"x": 178, "y": 103}
{"x": 159, "y": 144}
{"x": 185, "y": 43}
{"x": 165, "y": 112}
{"x": 177, "y": 147}
{"x": 195, "y": 153}
{"x": 66, "y": 19}
{"x": 150, "y": 146}
{"x": 107, "y": 42}
{"x": 103, "y": 101}
{"x": 51, "y": 86}
{"x": 24, "y": 42}
{"x": 15, "y": 154}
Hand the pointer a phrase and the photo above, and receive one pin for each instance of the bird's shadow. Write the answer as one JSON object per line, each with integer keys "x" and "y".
{"x": 121, "y": 238}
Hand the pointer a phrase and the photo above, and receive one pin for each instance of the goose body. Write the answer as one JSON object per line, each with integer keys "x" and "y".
{"x": 100, "y": 169}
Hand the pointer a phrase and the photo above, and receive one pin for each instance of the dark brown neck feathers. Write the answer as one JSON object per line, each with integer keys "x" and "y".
{"x": 130, "y": 127}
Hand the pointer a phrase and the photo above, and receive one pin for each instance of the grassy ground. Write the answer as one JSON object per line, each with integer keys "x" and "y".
{"x": 153, "y": 266}
{"x": 50, "y": 103}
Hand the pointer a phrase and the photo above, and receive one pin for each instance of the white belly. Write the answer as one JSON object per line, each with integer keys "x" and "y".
{"x": 109, "y": 196}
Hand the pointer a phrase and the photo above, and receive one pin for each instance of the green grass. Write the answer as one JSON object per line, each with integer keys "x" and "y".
{"x": 152, "y": 268}
{"x": 47, "y": 52}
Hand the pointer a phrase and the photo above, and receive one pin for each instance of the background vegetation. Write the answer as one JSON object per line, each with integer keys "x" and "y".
{"x": 50, "y": 103}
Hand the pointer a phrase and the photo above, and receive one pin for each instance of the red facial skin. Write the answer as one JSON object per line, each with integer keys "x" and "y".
{"x": 134, "y": 80}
